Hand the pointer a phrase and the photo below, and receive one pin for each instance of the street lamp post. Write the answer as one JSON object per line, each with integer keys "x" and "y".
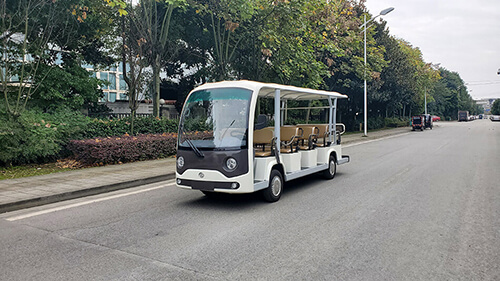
{"x": 365, "y": 27}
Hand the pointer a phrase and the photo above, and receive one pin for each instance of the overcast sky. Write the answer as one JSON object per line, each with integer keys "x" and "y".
{"x": 462, "y": 35}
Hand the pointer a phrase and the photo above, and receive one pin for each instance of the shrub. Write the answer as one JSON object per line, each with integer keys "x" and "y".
{"x": 37, "y": 137}
{"x": 126, "y": 148}
{"x": 396, "y": 122}
{"x": 376, "y": 123}
{"x": 97, "y": 128}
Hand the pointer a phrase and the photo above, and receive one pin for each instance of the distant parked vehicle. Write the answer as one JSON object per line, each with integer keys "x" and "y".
{"x": 436, "y": 118}
{"x": 417, "y": 123}
{"x": 463, "y": 116}
{"x": 495, "y": 118}
{"x": 427, "y": 121}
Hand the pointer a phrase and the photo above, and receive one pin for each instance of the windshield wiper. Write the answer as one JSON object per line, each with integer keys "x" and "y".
{"x": 223, "y": 134}
{"x": 196, "y": 150}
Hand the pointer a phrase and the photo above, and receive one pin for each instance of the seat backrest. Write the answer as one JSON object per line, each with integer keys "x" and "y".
{"x": 288, "y": 133}
{"x": 263, "y": 136}
{"x": 309, "y": 130}
{"x": 323, "y": 130}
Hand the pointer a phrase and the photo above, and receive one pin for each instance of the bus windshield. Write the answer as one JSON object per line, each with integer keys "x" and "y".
{"x": 215, "y": 119}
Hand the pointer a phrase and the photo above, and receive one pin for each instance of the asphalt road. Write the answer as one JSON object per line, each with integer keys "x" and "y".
{"x": 419, "y": 206}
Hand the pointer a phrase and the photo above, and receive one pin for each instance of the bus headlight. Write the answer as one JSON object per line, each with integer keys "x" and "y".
{"x": 180, "y": 162}
{"x": 231, "y": 164}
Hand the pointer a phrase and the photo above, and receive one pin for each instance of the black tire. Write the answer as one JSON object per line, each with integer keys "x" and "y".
{"x": 273, "y": 192}
{"x": 332, "y": 169}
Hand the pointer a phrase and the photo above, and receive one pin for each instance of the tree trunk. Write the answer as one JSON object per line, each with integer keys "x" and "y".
{"x": 156, "y": 87}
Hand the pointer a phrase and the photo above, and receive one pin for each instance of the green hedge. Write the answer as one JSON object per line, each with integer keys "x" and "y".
{"x": 126, "y": 148}
{"x": 116, "y": 127}
{"x": 37, "y": 137}
{"x": 388, "y": 122}
{"x": 112, "y": 150}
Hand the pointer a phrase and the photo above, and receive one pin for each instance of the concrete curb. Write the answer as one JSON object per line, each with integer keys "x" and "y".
{"x": 43, "y": 200}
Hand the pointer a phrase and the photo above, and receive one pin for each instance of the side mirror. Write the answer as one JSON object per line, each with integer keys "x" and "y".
{"x": 261, "y": 122}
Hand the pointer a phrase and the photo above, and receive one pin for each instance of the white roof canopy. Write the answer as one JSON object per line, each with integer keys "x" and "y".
{"x": 268, "y": 90}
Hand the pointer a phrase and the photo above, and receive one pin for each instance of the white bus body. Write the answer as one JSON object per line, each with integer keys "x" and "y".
{"x": 219, "y": 149}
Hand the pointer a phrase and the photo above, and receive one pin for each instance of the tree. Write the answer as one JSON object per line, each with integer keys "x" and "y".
{"x": 227, "y": 24}
{"x": 21, "y": 55}
{"x": 154, "y": 26}
{"x": 42, "y": 37}
{"x": 495, "y": 108}
{"x": 346, "y": 61}
{"x": 394, "y": 90}
{"x": 294, "y": 39}
{"x": 132, "y": 57}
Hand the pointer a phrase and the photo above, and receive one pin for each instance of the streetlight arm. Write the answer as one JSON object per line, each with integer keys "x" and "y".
{"x": 382, "y": 13}
{"x": 363, "y": 26}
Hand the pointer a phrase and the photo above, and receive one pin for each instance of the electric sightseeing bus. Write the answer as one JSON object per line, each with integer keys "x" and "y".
{"x": 225, "y": 144}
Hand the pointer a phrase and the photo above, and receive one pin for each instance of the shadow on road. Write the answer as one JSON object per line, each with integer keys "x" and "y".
{"x": 223, "y": 201}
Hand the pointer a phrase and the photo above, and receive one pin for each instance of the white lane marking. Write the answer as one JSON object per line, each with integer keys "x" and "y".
{"x": 368, "y": 141}
{"x": 51, "y": 210}
{"x": 29, "y": 215}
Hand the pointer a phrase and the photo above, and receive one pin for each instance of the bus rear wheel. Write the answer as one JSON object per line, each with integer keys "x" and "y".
{"x": 332, "y": 169}
{"x": 273, "y": 192}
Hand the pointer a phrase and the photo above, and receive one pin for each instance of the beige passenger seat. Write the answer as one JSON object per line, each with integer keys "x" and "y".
{"x": 290, "y": 136}
{"x": 323, "y": 134}
{"x": 263, "y": 141}
{"x": 310, "y": 136}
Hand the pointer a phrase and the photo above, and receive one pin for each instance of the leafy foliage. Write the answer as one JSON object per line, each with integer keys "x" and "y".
{"x": 38, "y": 37}
{"x": 123, "y": 149}
{"x": 37, "y": 137}
{"x": 147, "y": 125}
{"x": 495, "y": 108}
{"x": 126, "y": 148}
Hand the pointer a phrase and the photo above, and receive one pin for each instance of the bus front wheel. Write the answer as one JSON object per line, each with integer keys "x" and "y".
{"x": 273, "y": 192}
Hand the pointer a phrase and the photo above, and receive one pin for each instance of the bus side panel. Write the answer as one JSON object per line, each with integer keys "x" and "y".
{"x": 262, "y": 167}
{"x": 324, "y": 153}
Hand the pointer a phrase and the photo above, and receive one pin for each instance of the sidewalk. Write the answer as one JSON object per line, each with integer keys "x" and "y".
{"x": 28, "y": 192}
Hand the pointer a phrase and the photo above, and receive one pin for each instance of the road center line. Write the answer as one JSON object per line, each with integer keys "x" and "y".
{"x": 51, "y": 210}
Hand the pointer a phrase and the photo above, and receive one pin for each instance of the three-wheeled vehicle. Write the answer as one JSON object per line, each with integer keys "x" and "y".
{"x": 427, "y": 121}
{"x": 417, "y": 122}
{"x": 225, "y": 144}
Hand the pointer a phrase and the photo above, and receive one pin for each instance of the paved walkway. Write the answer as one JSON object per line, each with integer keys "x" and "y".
{"x": 27, "y": 192}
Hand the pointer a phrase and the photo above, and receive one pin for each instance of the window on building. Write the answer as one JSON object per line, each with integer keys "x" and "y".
{"x": 112, "y": 96}
{"x": 112, "y": 80}
{"x": 104, "y": 76}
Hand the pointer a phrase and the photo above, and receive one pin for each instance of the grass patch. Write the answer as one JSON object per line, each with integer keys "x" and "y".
{"x": 30, "y": 170}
